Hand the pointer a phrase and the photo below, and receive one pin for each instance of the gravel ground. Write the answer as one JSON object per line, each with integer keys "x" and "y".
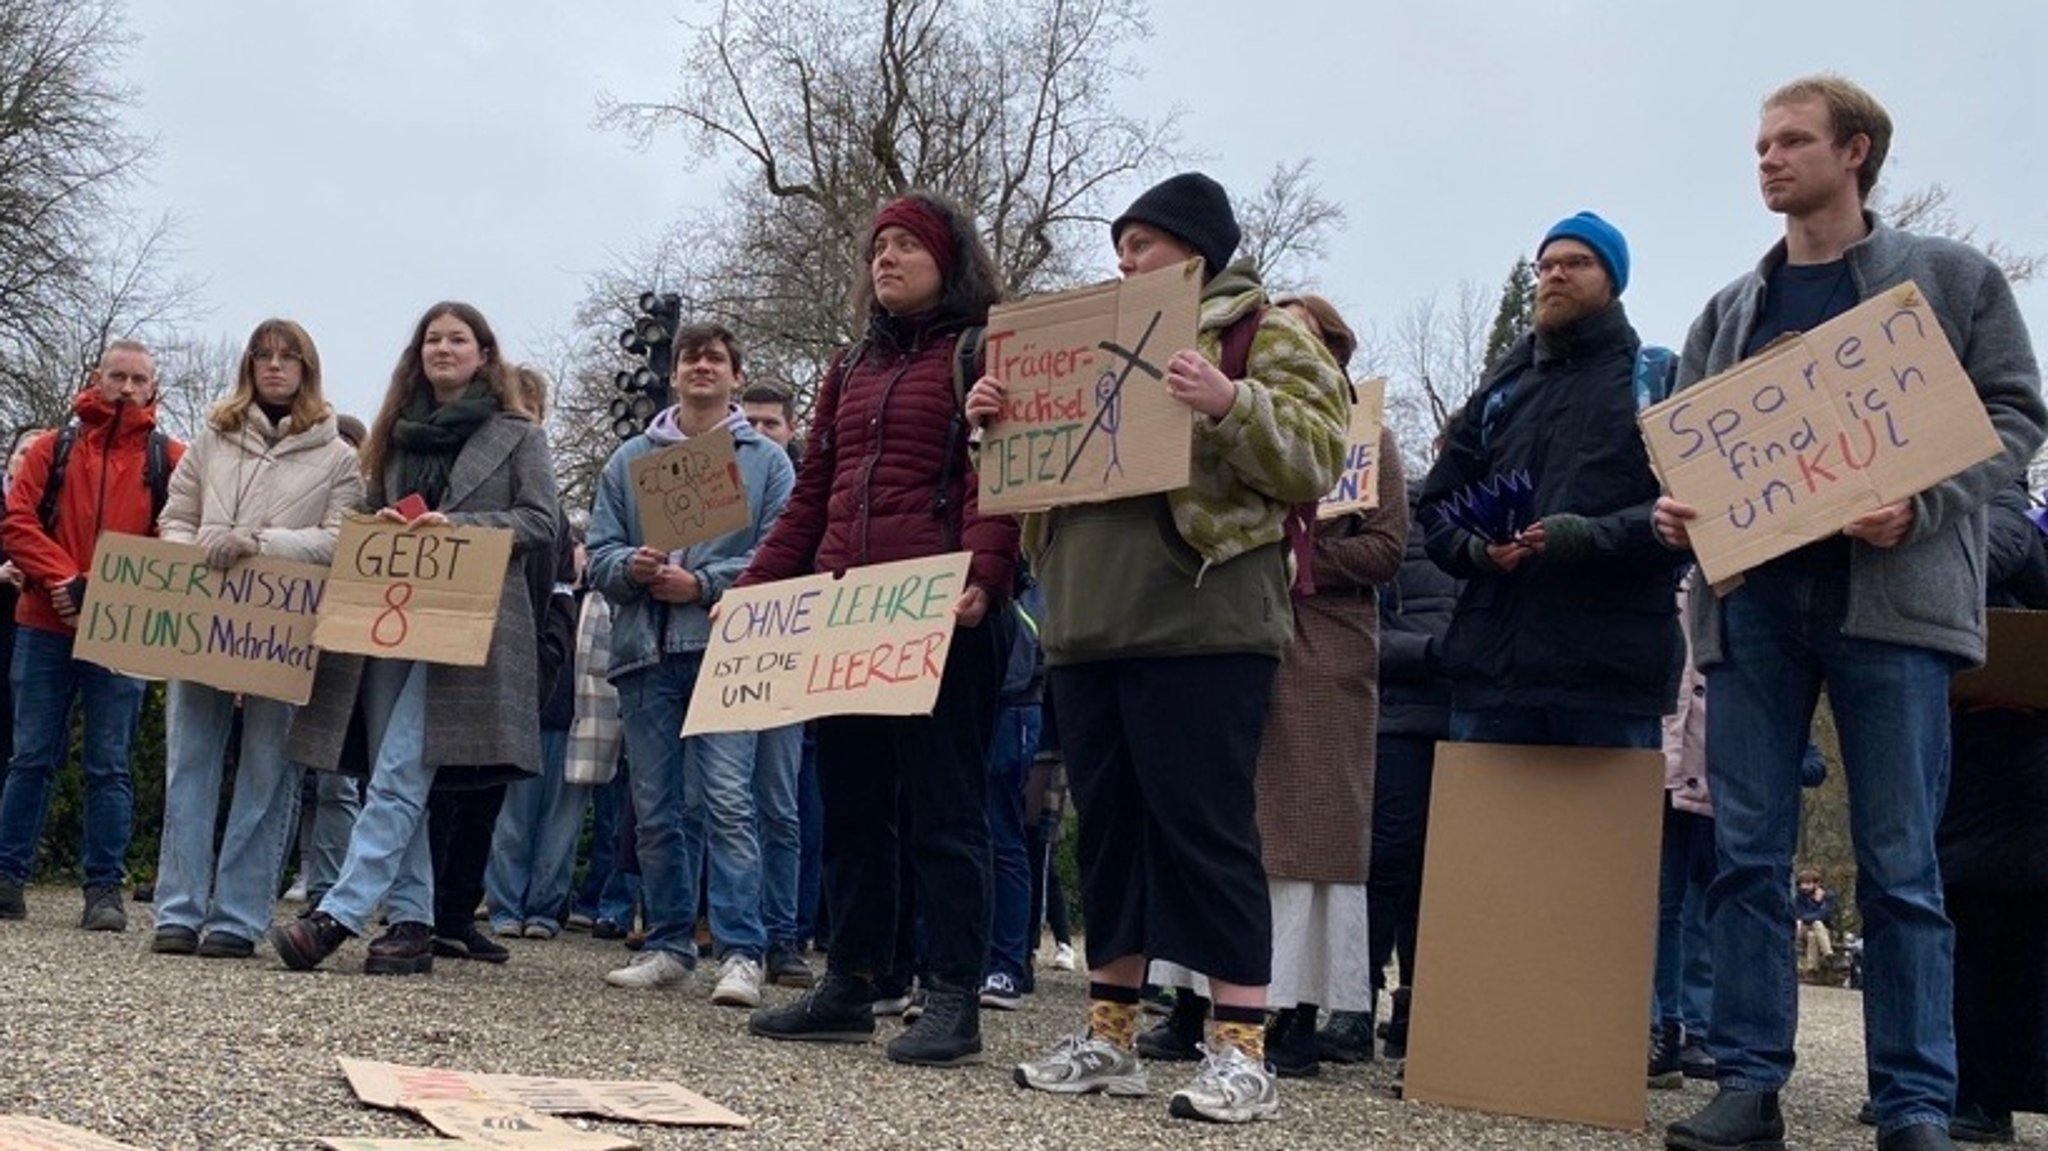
{"x": 168, "y": 1052}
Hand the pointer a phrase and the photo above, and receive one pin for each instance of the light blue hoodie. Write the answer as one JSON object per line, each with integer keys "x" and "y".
{"x": 637, "y": 618}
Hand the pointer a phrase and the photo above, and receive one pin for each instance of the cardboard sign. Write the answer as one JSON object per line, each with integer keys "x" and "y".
{"x": 360, "y": 1143}
{"x": 1539, "y": 921}
{"x": 1358, "y": 485}
{"x": 422, "y": 593}
{"x": 156, "y": 610}
{"x": 2015, "y": 671}
{"x": 870, "y": 642}
{"x": 24, "y": 1133}
{"x": 1797, "y": 441}
{"x": 690, "y": 492}
{"x": 396, "y": 1086}
{"x": 1085, "y": 415}
{"x": 490, "y": 1123}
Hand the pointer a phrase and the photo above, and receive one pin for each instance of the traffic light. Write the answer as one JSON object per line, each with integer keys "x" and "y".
{"x": 645, "y": 390}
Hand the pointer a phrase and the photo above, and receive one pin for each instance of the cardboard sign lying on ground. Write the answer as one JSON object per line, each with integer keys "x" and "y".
{"x": 1086, "y": 416}
{"x": 26, "y": 1133}
{"x": 870, "y": 642}
{"x": 396, "y": 1086}
{"x": 2015, "y": 671}
{"x": 1538, "y": 918}
{"x": 424, "y": 593}
{"x": 361, "y": 1143}
{"x": 1358, "y": 485}
{"x": 504, "y": 1126}
{"x": 1797, "y": 441}
{"x": 156, "y": 610}
{"x": 690, "y": 492}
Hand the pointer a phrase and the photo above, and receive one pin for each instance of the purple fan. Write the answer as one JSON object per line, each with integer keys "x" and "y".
{"x": 2039, "y": 516}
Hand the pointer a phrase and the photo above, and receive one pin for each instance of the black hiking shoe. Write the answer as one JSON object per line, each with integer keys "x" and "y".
{"x": 1178, "y": 1037}
{"x": 171, "y": 939}
{"x": 1666, "y": 1072}
{"x": 469, "y": 943}
{"x": 1347, "y": 1038}
{"x": 1291, "y": 1043}
{"x": 840, "y": 1009}
{"x": 948, "y": 1034}
{"x": 1731, "y": 1121}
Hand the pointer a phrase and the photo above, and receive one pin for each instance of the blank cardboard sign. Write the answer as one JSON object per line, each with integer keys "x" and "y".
{"x": 1538, "y": 932}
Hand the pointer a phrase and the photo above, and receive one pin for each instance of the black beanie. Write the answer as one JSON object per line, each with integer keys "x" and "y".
{"x": 1194, "y": 208}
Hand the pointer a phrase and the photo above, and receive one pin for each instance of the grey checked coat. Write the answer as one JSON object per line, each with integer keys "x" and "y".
{"x": 480, "y": 719}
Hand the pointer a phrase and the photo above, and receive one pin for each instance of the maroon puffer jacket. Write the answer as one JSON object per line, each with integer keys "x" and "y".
{"x": 869, "y": 489}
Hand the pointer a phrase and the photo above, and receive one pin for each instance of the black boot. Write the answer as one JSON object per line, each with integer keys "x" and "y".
{"x": 1291, "y": 1043}
{"x": 1394, "y": 1041}
{"x": 1347, "y": 1038}
{"x": 403, "y": 949}
{"x": 1666, "y": 1074}
{"x": 948, "y": 1034}
{"x": 1175, "y": 1038}
{"x": 1976, "y": 1123}
{"x": 1732, "y": 1121}
{"x": 840, "y": 1009}
{"x": 1919, "y": 1137}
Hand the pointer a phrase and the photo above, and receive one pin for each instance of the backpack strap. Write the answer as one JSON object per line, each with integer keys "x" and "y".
{"x": 1237, "y": 343}
{"x": 967, "y": 367}
{"x": 157, "y": 473}
{"x": 60, "y": 458}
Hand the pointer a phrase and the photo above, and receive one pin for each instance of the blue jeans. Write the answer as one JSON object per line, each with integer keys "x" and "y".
{"x": 609, "y": 892}
{"x": 388, "y": 856}
{"x": 810, "y": 872}
{"x": 1010, "y": 753}
{"x": 1685, "y": 964}
{"x": 707, "y": 782}
{"x": 337, "y": 800}
{"x": 533, "y": 846}
{"x": 1783, "y": 639}
{"x": 1556, "y": 727}
{"x": 778, "y": 754}
{"x": 46, "y": 682}
{"x": 236, "y": 892}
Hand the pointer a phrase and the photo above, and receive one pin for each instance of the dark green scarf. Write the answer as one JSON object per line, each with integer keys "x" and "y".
{"x": 429, "y": 437}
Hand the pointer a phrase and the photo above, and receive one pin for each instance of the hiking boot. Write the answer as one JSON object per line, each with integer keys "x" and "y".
{"x": 1001, "y": 992}
{"x": 469, "y": 943}
{"x": 304, "y": 942}
{"x": 786, "y": 968}
{"x": 840, "y": 1009}
{"x": 648, "y": 969}
{"x": 170, "y": 939}
{"x": 948, "y": 1034}
{"x": 739, "y": 982}
{"x": 13, "y": 905}
{"x": 1178, "y": 1037}
{"x": 1347, "y": 1038}
{"x": 1394, "y": 1040}
{"x": 1976, "y": 1123}
{"x": 1081, "y": 1065}
{"x": 1918, "y": 1137}
{"x": 1693, "y": 1059}
{"x": 1731, "y": 1121}
{"x": 1229, "y": 1087}
{"x": 1291, "y": 1043}
{"x": 403, "y": 949}
{"x": 103, "y": 910}
{"x": 225, "y": 945}
{"x": 1666, "y": 1073}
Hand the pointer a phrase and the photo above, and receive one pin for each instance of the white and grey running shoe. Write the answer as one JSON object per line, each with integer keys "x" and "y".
{"x": 1080, "y": 1064}
{"x": 1229, "y": 1087}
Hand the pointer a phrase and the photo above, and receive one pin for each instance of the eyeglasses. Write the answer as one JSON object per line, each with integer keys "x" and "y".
{"x": 277, "y": 355}
{"x": 1572, "y": 264}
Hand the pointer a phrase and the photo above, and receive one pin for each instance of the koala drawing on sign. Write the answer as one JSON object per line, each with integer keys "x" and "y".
{"x": 676, "y": 482}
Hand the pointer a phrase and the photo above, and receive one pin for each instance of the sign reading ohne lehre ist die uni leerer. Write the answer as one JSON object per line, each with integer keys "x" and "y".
{"x": 1796, "y": 442}
{"x": 872, "y": 641}
{"x": 155, "y": 609}
{"x": 406, "y": 591}
{"x": 1358, "y": 486}
{"x": 1086, "y": 417}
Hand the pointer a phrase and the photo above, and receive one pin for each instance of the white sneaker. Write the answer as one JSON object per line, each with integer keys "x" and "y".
{"x": 652, "y": 968}
{"x": 739, "y": 983}
{"x": 1082, "y": 1065}
{"x": 1229, "y": 1087}
{"x": 1063, "y": 957}
{"x": 296, "y": 893}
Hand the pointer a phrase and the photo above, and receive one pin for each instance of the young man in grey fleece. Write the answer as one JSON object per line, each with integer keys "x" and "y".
{"x": 1882, "y": 613}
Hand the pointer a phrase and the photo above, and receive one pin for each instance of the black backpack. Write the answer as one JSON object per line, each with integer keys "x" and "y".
{"x": 156, "y": 472}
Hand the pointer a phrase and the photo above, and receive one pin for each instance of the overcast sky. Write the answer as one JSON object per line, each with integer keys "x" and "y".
{"x": 347, "y": 164}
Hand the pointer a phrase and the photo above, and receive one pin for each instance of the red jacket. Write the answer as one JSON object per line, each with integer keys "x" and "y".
{"x": 869, "y": 489}
{"x": 106, "y": 488}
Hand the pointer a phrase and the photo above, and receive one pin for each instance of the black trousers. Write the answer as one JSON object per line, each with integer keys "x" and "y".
{"x": 1403, "y": 769}
{"x": 935, "y": 768}
{"x": 1161, "y": 756}
{"x": 460, "y": 824}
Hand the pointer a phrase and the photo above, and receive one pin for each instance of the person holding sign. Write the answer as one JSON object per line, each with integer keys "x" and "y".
{"x": 888, "y": 477}
{"x": 268, "y": 475}
{"x": 102, "y": 472}
{"x": 449, "y": 439}
{"x": 1166, "y": 616}
{"x": 1882, "y": 614}
{"x": 661, "y": 624}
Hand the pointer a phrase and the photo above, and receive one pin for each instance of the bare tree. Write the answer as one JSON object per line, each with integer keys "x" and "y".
{"x": 1288, "y": 226}
{"x": 1437, "y": 359}
{"x": 1925, "y": 210}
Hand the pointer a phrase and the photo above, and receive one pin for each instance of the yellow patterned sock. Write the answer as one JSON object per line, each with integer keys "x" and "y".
{"x": 1249, "y": 1038}
{"x": 1114, "y": 1023}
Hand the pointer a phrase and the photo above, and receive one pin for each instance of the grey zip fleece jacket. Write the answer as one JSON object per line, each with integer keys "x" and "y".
{"x": 1928, "y": 591}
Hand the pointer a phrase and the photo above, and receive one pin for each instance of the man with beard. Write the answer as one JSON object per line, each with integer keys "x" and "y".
{"x": 1882, "y": 613}
{"x": 1566, "y": 630}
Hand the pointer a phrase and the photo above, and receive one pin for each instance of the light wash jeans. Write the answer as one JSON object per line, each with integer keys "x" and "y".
{"x": 337, "y": 800}
{"x": 236, "y": 892}
{"x": 777, "y": 754}
{"x": 388, "y": 858}
{"x": 533, "y": 847}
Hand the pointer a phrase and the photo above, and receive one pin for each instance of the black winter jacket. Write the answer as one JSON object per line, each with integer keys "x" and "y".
{"x": 1415, "y": 612}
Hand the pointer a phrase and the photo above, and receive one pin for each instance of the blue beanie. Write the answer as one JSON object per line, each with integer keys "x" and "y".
{"x": 1604, "y": 238}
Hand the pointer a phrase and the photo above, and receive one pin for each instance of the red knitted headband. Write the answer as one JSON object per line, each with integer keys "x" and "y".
{"x": 915, "y": 217}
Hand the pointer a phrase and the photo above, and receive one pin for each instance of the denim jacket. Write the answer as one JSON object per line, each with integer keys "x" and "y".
{"x": 644, "y": 629}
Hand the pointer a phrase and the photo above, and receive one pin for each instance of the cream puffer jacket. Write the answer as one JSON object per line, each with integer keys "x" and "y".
{"x": 287, "y": 491}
